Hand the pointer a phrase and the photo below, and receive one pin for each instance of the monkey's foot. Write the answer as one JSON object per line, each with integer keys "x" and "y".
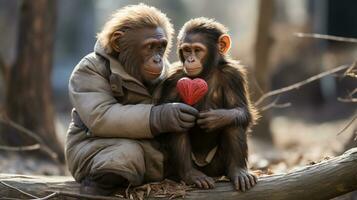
{"x": 198, "y": 178}
{"x": 242, "y": 179}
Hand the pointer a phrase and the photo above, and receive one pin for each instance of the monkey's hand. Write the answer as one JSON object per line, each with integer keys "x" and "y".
{"x": 242, "y": 179}
{"x": 172, "y": 117}
{"x": 215, "y": 119}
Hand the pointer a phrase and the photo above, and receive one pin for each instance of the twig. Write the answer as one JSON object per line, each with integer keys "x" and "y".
{"x": 299, "y": 84}
{"x": 68, "y": 194}
{"x": 275, "y": 104}
{"x": 257, "y": 85}
{"x": 349, "y": 98}
{"x": 20, "y": 148}
{"x": 21, "y": 191}
{"x": 127, "y": 191}
{"x": 326, "y": 37}
{"x": 43, "y": 146}
{"x": 351, "y": 71}
{"x": 353, "y": 92}
{"x": 86, "y": 196}
{"x": 47, "y": 197}
{"x": 348, "y": 125}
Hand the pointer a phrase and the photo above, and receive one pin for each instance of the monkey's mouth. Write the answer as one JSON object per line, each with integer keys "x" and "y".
{"x": 152, "y": 72}
{"x": 193, "y": 70}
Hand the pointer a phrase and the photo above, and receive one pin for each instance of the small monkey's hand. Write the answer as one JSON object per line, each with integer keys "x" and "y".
{"x": 215, "y": 119}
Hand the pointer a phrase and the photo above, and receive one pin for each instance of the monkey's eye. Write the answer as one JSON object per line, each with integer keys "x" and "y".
{"x": 186, "y": 49}
{"x": 161, "y": 50}
{"x": 197, "y": 50}
{"x": 149, "y": 46}
{"x": 163, "y": 46}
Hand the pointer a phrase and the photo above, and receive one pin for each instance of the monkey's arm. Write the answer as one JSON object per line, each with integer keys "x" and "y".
{"x": 237, "y": 109}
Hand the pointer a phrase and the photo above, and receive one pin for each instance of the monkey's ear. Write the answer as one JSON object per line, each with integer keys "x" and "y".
{"x": 114, "y": 40}
{"x": 224, "y": 43}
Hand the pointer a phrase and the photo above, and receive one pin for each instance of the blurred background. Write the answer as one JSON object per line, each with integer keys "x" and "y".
{"x": 42, "y": 41}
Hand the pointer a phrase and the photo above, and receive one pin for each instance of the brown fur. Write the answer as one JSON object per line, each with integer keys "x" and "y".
{"x": 228, "y": 89}
{"x": 135, "y": 17}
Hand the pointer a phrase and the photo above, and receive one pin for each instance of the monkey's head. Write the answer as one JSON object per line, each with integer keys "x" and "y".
{"x": 202, "y": 45}
{"x": 139, "y": 36}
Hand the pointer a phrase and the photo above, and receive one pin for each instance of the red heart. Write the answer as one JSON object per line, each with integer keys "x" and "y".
{"x": 191, "y": 91}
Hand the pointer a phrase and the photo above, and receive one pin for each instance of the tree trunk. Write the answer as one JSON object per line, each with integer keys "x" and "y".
{"x": 325, "y": 180}
{"x": 261, "y": 64}
{"x": 28, "y": 86}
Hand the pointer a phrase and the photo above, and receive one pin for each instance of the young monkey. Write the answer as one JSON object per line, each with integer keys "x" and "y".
{"x": 217, "y": 144}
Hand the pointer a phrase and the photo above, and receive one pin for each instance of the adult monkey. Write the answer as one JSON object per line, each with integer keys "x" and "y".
{"x": 111, "y": 91}
{"x": 217, "y": 145}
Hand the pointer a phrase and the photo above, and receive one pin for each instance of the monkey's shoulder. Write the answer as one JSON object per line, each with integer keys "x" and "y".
{"x": 230, "y": 75}
{"x": 233, "y": 68}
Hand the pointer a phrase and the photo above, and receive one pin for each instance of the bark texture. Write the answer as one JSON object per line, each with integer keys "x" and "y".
{"x": 325, "y": 180}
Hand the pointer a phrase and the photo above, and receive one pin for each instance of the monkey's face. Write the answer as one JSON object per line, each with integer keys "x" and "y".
{"x": 193, "y": 53}
{"x": 152, "y": 50}
{"x": 142, "y": 52}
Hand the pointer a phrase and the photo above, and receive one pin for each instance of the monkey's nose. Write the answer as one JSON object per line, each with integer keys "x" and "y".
{"x": 190, "y": 59}
{"x": 157, "y": 60}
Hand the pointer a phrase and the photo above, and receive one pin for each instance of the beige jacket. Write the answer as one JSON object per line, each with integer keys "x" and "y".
{"x": 110, "y": 105}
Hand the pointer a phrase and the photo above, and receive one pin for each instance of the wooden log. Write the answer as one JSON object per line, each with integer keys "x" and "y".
{"x": 324, "y": 180}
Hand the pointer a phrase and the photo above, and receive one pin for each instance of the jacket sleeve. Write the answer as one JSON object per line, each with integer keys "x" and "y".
{"x": 91, "y": 96}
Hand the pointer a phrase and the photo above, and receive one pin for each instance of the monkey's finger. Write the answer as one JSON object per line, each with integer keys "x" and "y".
{"x": 198, "y": 183}
{"x": 242, "y": 183}
{"x": 204, "y": 183}
{"x": 247, "y": 182}
{"x": 210, "y": 182}
{"x": 236, "y": 183}
{"x": 189, "y": 110}
{"x": 187, "y": 117}
{"x": 255, "y": 178}
{"x": 251, "y": 180}
{"x": 187, "y": 125}
{"x": 204, "y": 114}
{"x": 204, "y": 121}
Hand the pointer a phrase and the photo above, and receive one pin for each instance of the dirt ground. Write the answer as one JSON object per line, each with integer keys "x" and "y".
{"x": 299, "y": 143}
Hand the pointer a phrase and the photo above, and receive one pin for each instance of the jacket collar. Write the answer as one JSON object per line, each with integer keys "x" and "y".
{"x": 118, "y": 69}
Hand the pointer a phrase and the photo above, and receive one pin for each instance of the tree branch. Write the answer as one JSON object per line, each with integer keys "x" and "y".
{"x": 274, "y": 104}
{"x": 4, "y": 119}
{"x": 348, "y": 125}
{"x": 349, "y": 98}
{"x": 18, "y": 190}
{"x": 351, "y": 71}
{"x": 313, "y": 182}
{"x": 326, "y": 37}
{"x": 301, "y": 83}
{"x": 20, "y": 148}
